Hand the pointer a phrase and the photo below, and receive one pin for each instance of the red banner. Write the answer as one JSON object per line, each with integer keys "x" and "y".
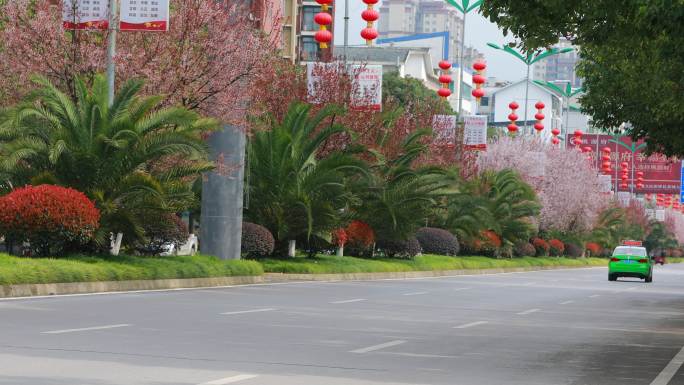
{"x": 661, "y": 174}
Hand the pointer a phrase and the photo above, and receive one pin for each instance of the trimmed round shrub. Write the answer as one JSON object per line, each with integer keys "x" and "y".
{"x": 52, "y": 219}
{"x": 572, "y": 250}
{"x": 257, "y": 241}
{"x": 541, "y": 247}
{"x": 162, "y": 230}
{"x": 556, "y": 247}
{"x": 437, "y": 241}
{"x": 407, "y": 249}
{"x": 524, "y": 249}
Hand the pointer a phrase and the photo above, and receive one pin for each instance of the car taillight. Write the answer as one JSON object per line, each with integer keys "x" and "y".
{"x": 614, "y": 260}
{"x": 643, "y": 260}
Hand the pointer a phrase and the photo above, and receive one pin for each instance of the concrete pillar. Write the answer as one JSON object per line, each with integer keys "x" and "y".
{"x": 222, "y": 195}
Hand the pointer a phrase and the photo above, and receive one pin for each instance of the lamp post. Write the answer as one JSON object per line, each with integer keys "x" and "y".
{"x": 567, "y": 93}
{"x": 465, "y": 6}
{"x": 529, "y": 59}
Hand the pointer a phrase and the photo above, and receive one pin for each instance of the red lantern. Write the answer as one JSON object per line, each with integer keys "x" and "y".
{"x": 445, "y": 65}
{"x": 586, "y": 149}
{"x": 444, "y": 92}
{"x": 605, "y": 158}
{"x": 478, "y": 93}
{"x": 445, "y": 79}
{"x": 512, "y": 127}
{"x": 539, "y": 105}
{"x": 370, "y": 16}
{"x": 606, "y": 164}
{"x": 323, "y": 36}
{"x": 539, "y": 116}
{"x": 555, "y": 132}
{"x": 555, "y": 141}
{"x": 479, "y": 80}
{"x": 639, "y": 174}
{"x": 539, "y": 127}
{"x": 624, "y": 165}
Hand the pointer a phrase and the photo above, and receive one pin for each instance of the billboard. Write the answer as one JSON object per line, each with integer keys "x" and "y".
{"x": 661, "y": 174}
{"x": 475, "y": 132}
{"x": 366, "y": 87}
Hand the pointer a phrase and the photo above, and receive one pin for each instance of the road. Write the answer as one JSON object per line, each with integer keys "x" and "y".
{"x": 539, "y": 328}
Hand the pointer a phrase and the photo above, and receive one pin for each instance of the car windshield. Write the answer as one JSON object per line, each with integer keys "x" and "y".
{"x": 627, "y": 250}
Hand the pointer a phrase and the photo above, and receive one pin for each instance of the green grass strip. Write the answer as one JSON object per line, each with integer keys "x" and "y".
{"x": 326, "y": 264}
{"x": 15, "y": 270}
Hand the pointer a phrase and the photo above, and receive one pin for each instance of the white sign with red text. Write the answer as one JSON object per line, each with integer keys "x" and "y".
{"x": 366, "y": 87}
{"x": 85, "y": 14}
{"x": 475, "y": 132}
{"x": 144, "y": 15}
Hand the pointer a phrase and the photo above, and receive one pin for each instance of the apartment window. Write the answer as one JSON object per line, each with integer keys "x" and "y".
{"x": 484, "y": 101}
{"x": 309, "y": 48}
{"x": 308, "y": 23}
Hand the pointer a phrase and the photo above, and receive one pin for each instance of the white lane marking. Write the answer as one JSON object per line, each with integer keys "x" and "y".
{"x": 248, "y": 311}
{"x": 349, "y": 301}
{"x": 566, "y": 302}
{"x": 378, "y": 347}
{"x": 86, "y": 329}
{"x": 594, "y": 295}
{"x": 462, "y": 288}
{"x": 528, "y": 311}
{"x": 230, "y": 380}
{"x": 416, "y": 293}
{"x": 464, "y": 326}
{"x": 670, "y": 370}
{"x": 528, "y": 284}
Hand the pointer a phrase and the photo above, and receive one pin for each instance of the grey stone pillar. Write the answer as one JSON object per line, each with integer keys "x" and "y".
{"x": 222, "y": 195}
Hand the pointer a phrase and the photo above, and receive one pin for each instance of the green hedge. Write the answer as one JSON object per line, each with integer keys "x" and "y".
{"x": 332, "y": 264}
{"x": 15, "y": 270}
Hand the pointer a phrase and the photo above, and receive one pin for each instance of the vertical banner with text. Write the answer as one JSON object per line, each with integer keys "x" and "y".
{"x": 475, "y": 132}
{"x": 366, "y": 87}
{"x": 144, "y": 15}
{"x": 444, "y": 130}
{"x": 85, "y": 14}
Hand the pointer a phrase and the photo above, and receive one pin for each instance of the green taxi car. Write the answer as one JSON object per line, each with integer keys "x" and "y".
{"x": 630, "y": 261}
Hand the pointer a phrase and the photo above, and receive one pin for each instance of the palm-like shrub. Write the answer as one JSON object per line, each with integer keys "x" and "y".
{"x": 397, "y": 196}
{"x": 117, "y": 155}
{"x": 292, "y": 192}
{"x": 499, "y": 203}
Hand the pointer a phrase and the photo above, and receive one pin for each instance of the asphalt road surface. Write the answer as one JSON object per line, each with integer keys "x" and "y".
{"x": 539, "y": 328}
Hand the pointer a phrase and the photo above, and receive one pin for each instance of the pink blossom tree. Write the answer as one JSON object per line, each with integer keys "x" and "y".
{"x": 567, "y": 187}
{"x": 205, "y": 62}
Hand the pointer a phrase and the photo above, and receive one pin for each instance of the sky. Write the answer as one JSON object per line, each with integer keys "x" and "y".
{"x": 479, "y": 32}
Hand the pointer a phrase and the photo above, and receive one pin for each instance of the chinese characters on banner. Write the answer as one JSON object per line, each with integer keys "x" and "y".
{"x": 366, "y": 87}
{"x": 444, "y": 130}
{"x": 144, "y": 15}
{"x": 315, "y": 76}
{"x": 136, "y": 15}
{"x": 85, "y": 14}
{"x": 475, "y": 132}
{"x": 661, "y": 174}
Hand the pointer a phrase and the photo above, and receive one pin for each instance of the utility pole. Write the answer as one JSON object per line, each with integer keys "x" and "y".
{"x": 111, "y": 49}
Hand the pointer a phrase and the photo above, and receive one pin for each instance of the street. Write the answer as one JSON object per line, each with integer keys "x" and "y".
{"x": 551, "y": 327}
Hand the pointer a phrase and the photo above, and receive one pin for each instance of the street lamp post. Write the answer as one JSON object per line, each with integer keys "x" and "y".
{"x": 465, "y": 6}
{"x": 529, "y": 59}
{"x": 567, "y": 93}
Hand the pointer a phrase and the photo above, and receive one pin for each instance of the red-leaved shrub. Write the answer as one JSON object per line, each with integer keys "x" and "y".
{"x": 524, "y": 249}
{"x": 541, "y": 246}
{"x": 360, "y": 239}
{"x": 557, "y": 247}
{"x": 594, "y": 249}
{"x": 340, "y": 237}
{"x": 257, "y": 241}
{"x": 50, "y": 218}
{"x": 437, "y": 241}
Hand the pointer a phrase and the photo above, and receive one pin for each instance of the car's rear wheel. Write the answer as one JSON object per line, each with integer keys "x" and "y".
{"x": 649, "y": 279}
{"x": 612, "y": 277}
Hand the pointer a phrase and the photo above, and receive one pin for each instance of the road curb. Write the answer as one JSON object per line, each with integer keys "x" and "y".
{"x": 56, "y": 289}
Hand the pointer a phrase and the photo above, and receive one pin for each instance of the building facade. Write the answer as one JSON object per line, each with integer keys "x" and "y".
{"x": 559, "y": 67}
{"x": 307, "y": 47}
{"x": 408, "y": 17}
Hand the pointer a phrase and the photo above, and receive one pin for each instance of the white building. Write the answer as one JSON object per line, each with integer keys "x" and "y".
{"x": 500, "y": 98}
{"x": 414, "y": 62}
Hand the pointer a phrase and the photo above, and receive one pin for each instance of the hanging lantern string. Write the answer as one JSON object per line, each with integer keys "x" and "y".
{"x": 445, "y": 79}
{"x": 370, "y": 16}
{"x": 513, "y": 117}
{"x": 323, "y": 19}
{"x": 539, "y": 116}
